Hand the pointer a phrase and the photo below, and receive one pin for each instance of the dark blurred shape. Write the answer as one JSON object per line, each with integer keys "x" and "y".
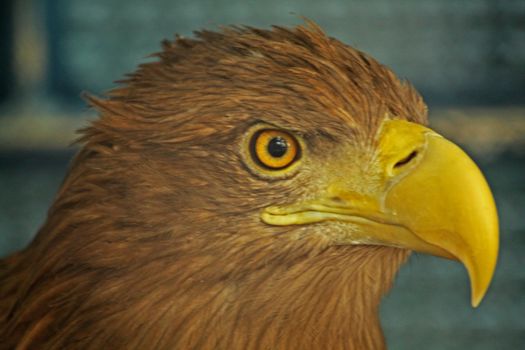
{"x": 6, "y": 48}
{"x": 505, "y": 54}
{"x": 28, "y": 183}
{"x": 63, "y": 80}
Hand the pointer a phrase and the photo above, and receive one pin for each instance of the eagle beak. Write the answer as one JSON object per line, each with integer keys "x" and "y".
{"x": 434, "y": 200}
{"x": 442, "y": 198}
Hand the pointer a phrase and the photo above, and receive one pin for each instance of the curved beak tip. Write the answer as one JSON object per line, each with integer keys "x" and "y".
{"x": 476, "y": 300}
{"x": 446, "y": 201}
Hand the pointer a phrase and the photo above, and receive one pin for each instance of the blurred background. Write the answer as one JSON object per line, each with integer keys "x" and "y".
{"x": 467, "y": 58}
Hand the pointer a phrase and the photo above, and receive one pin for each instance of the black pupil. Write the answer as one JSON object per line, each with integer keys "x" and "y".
{"x": 277, "y": 147}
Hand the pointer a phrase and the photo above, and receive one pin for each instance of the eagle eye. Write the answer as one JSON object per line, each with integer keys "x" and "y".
{"x": 274, "y": 149}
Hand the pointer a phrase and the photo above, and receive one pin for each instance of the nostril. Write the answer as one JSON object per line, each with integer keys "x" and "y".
{"x": 337, "y": 199}
{"x": 406, "y": 160}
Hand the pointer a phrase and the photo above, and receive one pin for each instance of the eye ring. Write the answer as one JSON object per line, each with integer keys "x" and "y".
{"x": 274, "y": 149}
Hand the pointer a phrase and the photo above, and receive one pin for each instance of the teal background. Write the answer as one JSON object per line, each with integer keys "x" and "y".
{"x": 455, "y": 52}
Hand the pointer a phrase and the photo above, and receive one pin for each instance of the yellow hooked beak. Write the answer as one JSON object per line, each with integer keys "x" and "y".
{"x": 434, "y": 200}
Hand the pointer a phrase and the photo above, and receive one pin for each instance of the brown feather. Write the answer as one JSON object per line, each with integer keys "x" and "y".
{"x": 154, "y": 239}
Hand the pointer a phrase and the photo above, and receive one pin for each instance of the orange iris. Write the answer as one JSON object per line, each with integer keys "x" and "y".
{"x": 274, "y": 149}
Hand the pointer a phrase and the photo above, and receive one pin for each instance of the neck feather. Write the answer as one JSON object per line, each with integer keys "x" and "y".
{"x": 329, "y": 301}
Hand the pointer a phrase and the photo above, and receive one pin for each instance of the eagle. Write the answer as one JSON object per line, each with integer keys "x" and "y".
{"x": 246, "y": 189}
